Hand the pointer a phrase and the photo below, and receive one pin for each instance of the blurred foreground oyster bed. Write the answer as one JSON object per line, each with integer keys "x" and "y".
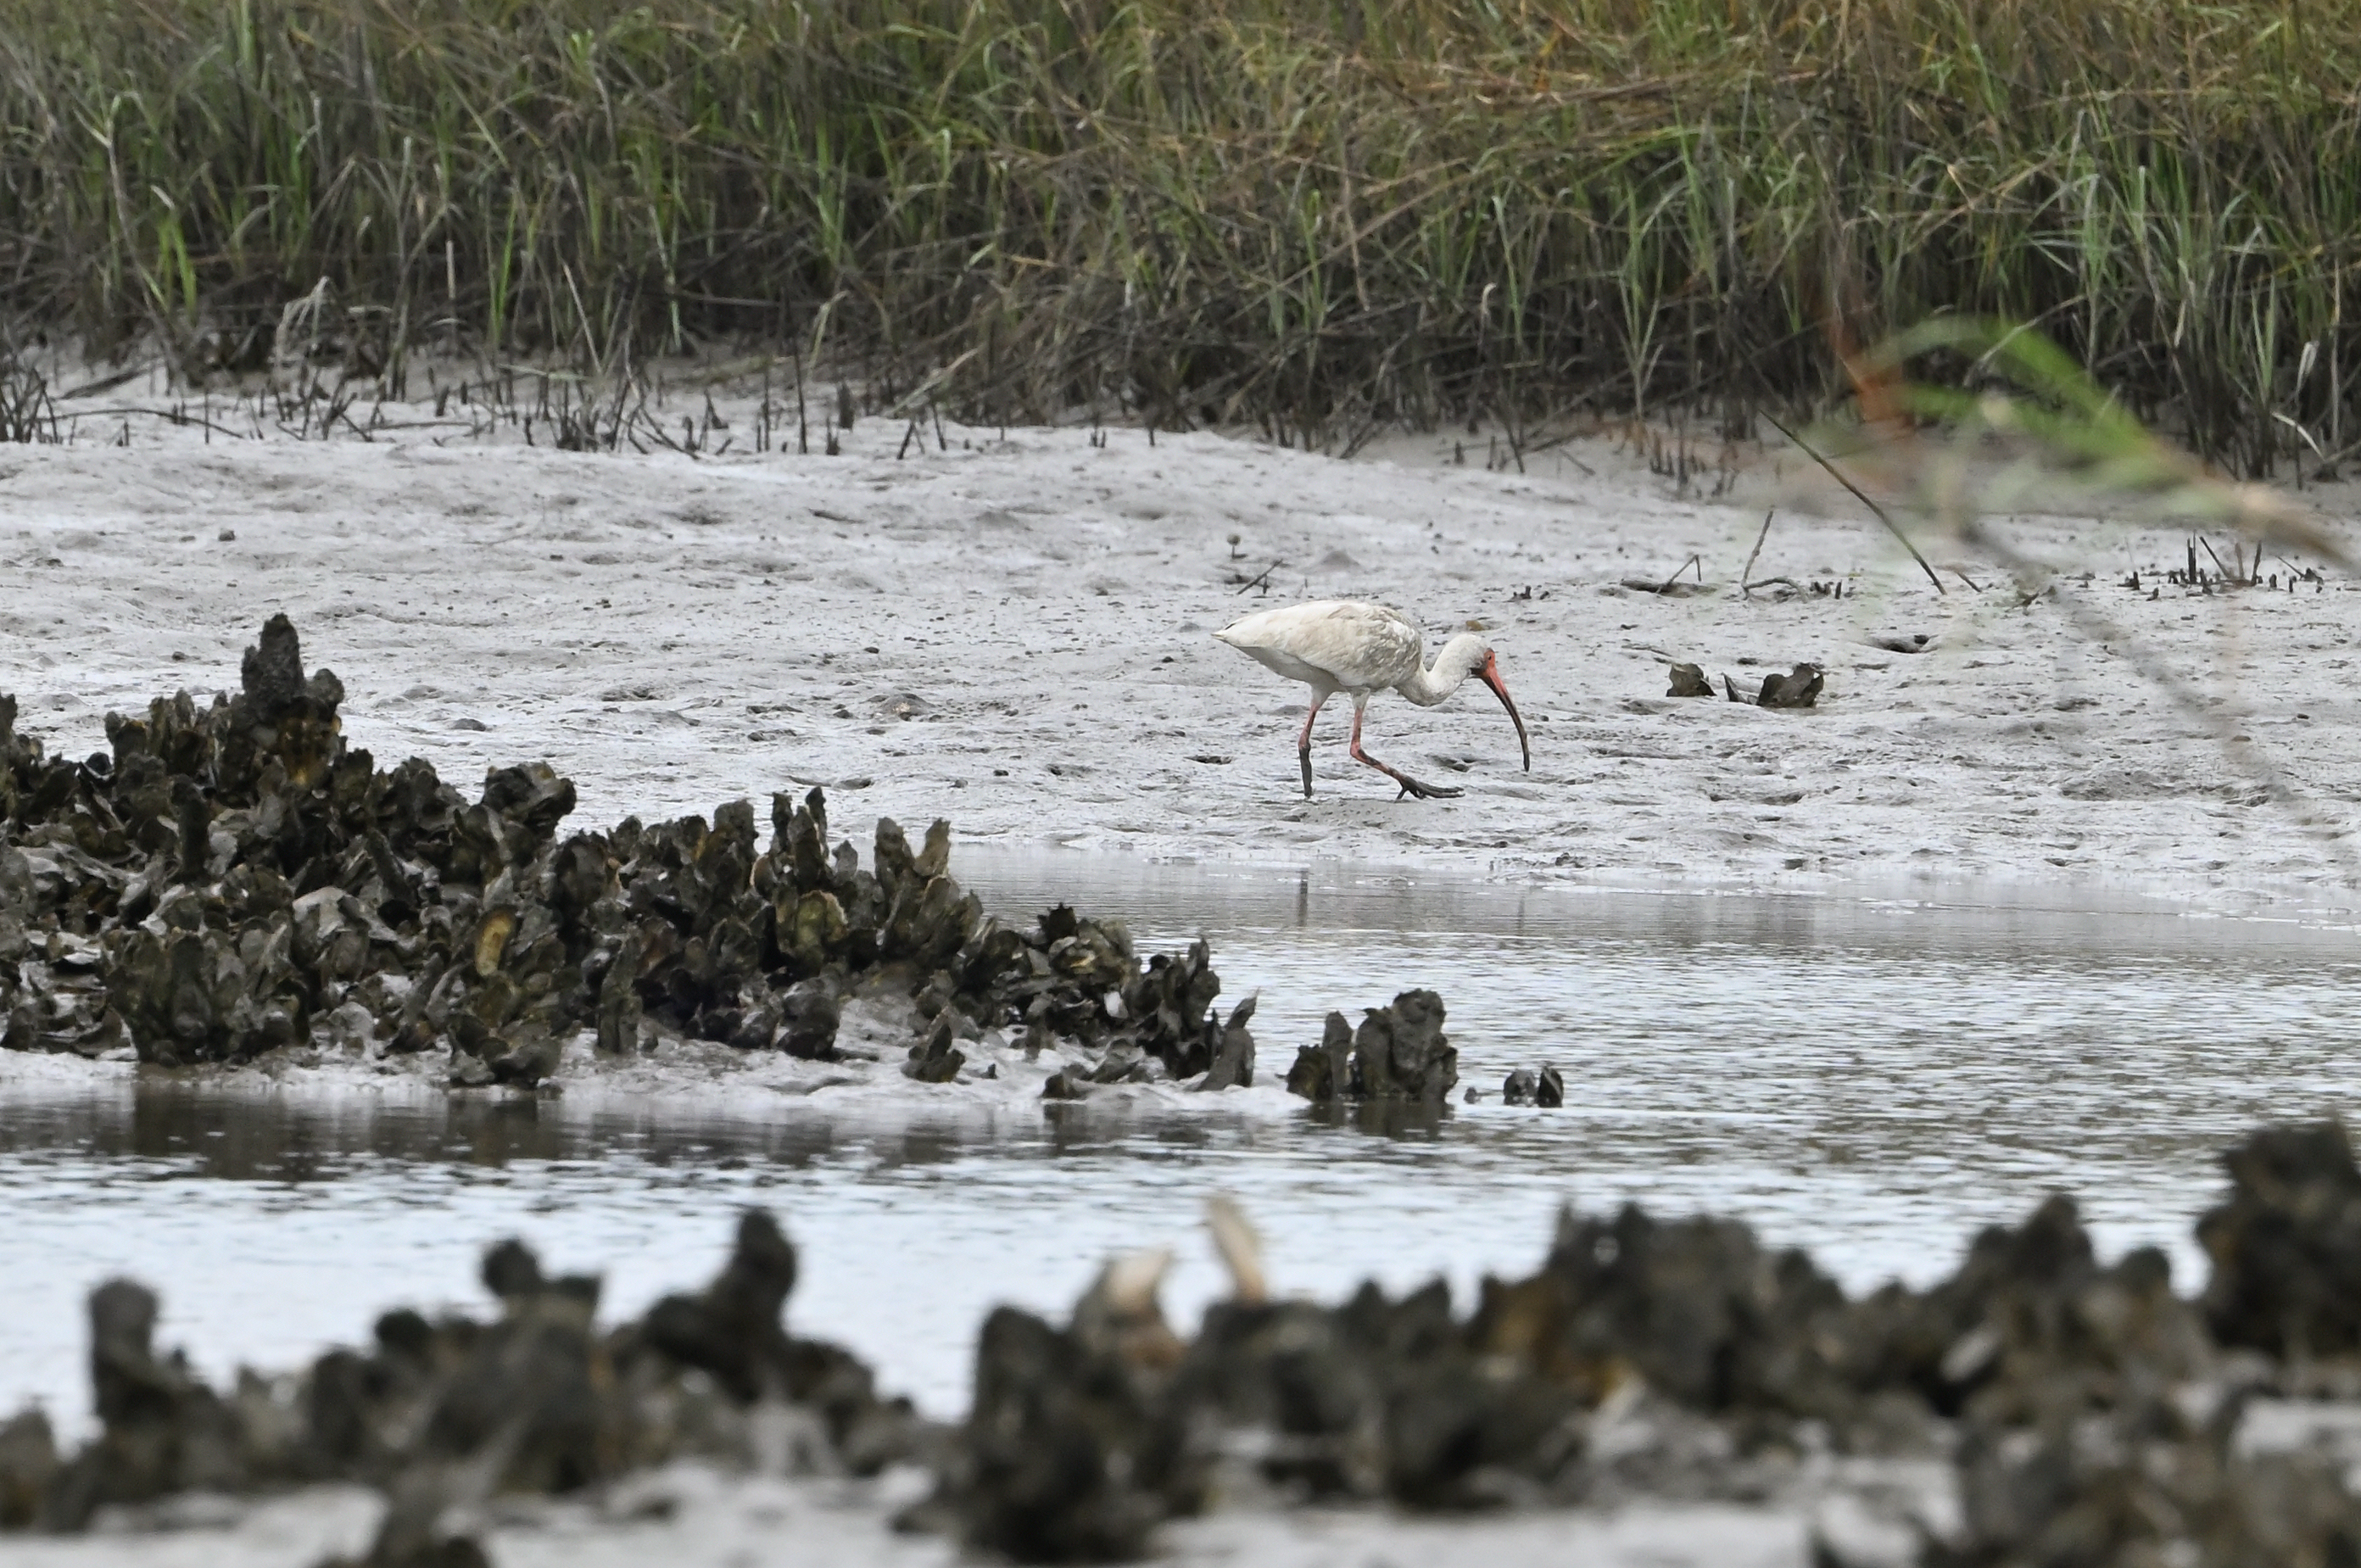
{"x": 232, "y": 880}
{"x": 442, "y": 1415}
{"x": 2035, "y": 1407}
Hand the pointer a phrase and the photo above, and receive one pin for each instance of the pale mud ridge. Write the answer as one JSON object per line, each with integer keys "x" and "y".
{"x": 1697, "y": 1397}
{"x": 1014, "y": 634}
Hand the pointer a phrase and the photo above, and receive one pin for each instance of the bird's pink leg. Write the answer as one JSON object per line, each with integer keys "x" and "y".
{"x": 1303, "y": 740}
{"x": 1408, "y": 784}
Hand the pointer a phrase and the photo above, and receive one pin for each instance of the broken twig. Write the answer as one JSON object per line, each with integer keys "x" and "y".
{"x": 1747, "y": 570}
{"x": 1261, "y": 577}
{"x": 1696, "y": 561}
{"x": 1863, "y": 496}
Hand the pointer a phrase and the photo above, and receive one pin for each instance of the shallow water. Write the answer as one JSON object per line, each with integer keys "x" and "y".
{"x": 1869, "y": 1077}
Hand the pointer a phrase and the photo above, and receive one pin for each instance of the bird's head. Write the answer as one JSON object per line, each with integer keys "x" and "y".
{"x": 1468, "y": 654}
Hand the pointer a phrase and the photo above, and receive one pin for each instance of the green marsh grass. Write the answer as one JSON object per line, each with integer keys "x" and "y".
{"x": 1323, "y": 217}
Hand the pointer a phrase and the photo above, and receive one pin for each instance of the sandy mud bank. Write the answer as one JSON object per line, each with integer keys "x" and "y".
{"x": 1012, "y": 629}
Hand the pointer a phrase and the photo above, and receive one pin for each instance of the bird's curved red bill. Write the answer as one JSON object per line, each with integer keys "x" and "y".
{"x": 1491, "y": 677}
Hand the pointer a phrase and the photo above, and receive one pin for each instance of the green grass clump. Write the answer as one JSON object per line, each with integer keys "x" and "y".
{"x": 1325, "y": 216}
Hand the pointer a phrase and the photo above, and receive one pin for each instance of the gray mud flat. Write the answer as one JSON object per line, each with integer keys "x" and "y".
{"x": 1015, "y": 634}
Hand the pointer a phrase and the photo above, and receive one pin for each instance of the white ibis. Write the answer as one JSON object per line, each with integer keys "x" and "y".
{"x": 1343, "y": 645}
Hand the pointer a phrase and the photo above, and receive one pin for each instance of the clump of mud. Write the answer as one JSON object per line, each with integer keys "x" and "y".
{"x": 233, "y": 879}
{"x": 443, "y": 1414}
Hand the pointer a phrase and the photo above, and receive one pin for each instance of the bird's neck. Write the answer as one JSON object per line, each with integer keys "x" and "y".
{"x": 1432, "y": 685}
{"x": 1453, "y": 662}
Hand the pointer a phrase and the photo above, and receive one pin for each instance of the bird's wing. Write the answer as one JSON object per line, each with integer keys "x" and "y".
{"x": 1356, "y": 646}
{"x": 1365, "y": 647}
{"x": 1393, "y": 647}
{"x": 1272, "y": 628}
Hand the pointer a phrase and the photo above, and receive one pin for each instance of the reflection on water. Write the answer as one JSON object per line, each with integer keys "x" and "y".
{"x": 1870, "y": 1079}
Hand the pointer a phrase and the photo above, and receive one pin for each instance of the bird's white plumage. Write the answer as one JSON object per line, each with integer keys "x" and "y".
{"x": 1331, "y": 644}
{"x": 1346, "y": 645}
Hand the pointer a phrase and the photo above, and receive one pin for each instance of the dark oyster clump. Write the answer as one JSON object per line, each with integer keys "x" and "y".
{"x": 2036, "y": 1406}
{"x": 1400, "y": 1052}
{"x": 233, "y": 879}
{"x": 447, "y": 1411}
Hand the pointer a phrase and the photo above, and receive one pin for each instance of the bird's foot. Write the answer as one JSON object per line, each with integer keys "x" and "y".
{"x": 1410, "y": 786}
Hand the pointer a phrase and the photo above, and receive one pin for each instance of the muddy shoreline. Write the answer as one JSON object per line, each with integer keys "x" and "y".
{"x": 1013, "y": 619}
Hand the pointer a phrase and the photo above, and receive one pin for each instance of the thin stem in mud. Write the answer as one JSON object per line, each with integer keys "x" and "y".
{"x": 1863, "y": 496}
{"x": 1746, "y": 572}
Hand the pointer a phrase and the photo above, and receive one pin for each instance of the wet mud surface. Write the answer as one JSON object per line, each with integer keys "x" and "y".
{"x": 1016, "y": 633}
